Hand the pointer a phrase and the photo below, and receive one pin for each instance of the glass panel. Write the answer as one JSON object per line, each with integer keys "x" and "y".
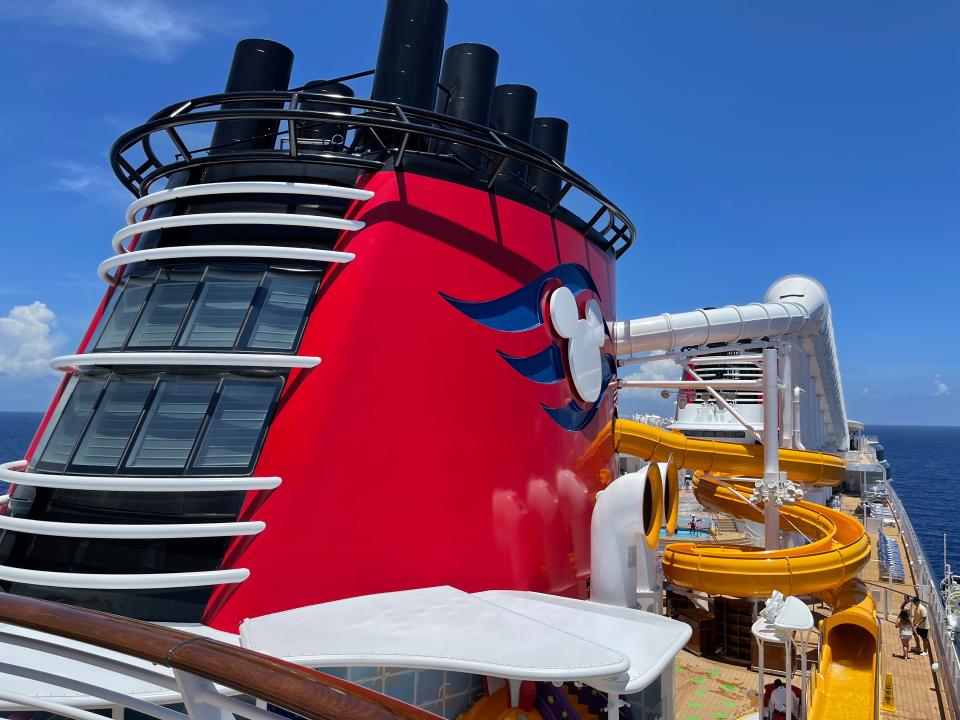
{"x": 71, "y": 423}
{"x": 161, "y": 318}
{"x": 170, "y": 428}
{"x": 219, "y": 313}
{"x": 110, "y": 429}
{"x": 234, "y": 432}
{"x": 124, "y": 314}
{"x": 278, "y": 322}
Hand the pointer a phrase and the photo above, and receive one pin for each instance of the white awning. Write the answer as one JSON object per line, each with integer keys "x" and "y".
{"x": 506, "y": 634}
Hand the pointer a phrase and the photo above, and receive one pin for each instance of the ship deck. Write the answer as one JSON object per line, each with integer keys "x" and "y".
{"x": 712, "y": 688}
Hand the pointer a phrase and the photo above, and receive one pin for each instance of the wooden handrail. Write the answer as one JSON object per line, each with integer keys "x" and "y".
{"x": 309, "y": 693}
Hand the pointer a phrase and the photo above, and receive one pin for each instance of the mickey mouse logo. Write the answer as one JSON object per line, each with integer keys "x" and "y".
{"x": 585, "y": 338}
{"x": 575, "y": 350}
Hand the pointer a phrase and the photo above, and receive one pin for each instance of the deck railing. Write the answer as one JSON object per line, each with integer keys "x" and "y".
{"x": 928, "y": 591}
{"x": 208, "y": 676}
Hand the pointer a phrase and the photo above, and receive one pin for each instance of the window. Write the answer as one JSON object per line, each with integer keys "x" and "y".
{"x": 163, "y": 314}
{"x": 241, "y": 307}
{"x": 172, "y": 425}
{"x": 124, "y": 315}
{"x": 72, "y": 421}
{"x": 282, "y": 313}
{"x": 221, "y": 309}
{"x": 109, "y": 431}
{"x": 237, "y": 425}
{"x": 162, "y": 424}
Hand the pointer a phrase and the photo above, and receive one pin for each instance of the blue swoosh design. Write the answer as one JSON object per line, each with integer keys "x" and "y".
{"x": 522, "y": 310}
{"x": 544, "y": 367}
{"x": 571, "y": 416}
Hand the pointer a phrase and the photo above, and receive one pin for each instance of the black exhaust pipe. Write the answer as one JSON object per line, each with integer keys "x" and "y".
{"x": 323, "y": 136}
{"x": 411, "y": 47}
{"x": 257, "y": 65}
{"x": 550, "y": 136}
{"x": 467, "y": 80}
{"x": 513, "y": 109}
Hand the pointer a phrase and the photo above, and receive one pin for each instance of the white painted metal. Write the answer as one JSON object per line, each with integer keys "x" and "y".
{"x": 432, "y": 628}
{"x": 111, "y": 696}
{"x": 622, "y": 568}
{"x": 692, "y": 384}
{"x": 141, "y": 581}
{"x": 649, "y": 640}
{"x": 265, "y": 252}
{"x": 724, "y": 404}
{"x": 233, "y": 218}
{"x": 795, "y": 307}
{"x": 242, "y": 188}
{"x": 257, "y": 360}
{"x": 130, "y": 532}
{"x": 99, "y": 659}
{"x": 13, "y": 472}
{"x": 771, "y": 451}
{"x": 585, "y": 337}
{"x": 54, "y": 708}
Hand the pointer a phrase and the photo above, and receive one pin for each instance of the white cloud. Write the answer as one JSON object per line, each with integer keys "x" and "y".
{"x": 867, "y": 392}
{"x": 653, "y": 370}
{"x": 940, "y": 388}
{"x": 95, "y": 182}
{"x": 157, "y": 28}
{"x": 26, "y": 340}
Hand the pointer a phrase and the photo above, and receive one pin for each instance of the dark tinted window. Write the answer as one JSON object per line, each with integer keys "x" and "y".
{"x": 240, "y": 307}
{"x": 72, "y": 421}
{"x": 162, "y": 424}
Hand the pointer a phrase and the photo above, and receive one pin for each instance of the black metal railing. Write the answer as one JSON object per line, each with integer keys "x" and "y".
{"x": 377, "y": 132}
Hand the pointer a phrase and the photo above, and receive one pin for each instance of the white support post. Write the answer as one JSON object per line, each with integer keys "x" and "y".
{"x": 760, "y": 683}
{"x": 191, "y": 686}
{"x": 804, "y": 683}
{"x": 786, "y": 402}
{"x": 613, "y": 706}
{"x": 789, "y": 668}
{"x": 771, "y": 451}
{"x": 667, "y": 690}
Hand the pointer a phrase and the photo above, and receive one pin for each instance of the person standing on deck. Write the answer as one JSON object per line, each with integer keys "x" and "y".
{"x": 922, "y": 626}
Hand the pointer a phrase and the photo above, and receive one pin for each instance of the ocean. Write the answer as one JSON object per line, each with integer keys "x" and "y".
{"x": 921, "y": 460}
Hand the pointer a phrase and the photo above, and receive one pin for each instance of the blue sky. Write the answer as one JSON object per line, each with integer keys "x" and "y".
{"x": 747, "y": 140}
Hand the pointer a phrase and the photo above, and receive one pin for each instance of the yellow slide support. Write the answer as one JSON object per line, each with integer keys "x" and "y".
{"x": 827, "y": 566}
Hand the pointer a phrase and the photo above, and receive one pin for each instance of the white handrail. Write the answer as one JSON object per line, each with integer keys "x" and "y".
{"x": 10, "y": 473}
{"x": 54, "y": 708}
{"x": 258, "y": 360}
{"x": 123, "y": 581}
{"x": 82, "y": 656}
{"x": 233, "y": 218}
{"x": 131, "y": 532}
{"x": 266, "y": 252}
{"x": 144, "y": 706}
{"x": 240, "y": 188}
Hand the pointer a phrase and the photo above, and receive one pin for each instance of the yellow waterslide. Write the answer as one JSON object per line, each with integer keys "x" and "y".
{"x": 826, "y": 566}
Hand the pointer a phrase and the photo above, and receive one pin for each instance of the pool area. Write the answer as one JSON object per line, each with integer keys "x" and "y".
{"x": 683, "y": 528}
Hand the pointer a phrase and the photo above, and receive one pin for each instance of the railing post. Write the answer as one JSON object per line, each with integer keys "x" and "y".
{"x": 190, "y": 687}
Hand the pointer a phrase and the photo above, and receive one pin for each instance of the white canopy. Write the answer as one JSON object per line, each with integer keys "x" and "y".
{"x": 507, "y": 634}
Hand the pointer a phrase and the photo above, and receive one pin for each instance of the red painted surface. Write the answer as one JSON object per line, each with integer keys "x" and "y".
{"x": 413, "y": 455}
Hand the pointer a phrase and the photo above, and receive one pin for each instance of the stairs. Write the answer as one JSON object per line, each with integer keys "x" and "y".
{"x": 726, "y": 524}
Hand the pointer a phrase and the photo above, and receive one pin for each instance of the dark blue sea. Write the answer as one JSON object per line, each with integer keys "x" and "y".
{"x": 923, "y": 461}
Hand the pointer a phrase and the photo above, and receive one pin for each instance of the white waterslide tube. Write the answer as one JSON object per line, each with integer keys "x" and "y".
{"x": 795, "y": 307}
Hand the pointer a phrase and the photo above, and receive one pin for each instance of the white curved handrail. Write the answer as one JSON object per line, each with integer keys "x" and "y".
{"x": 233, "y": 218}
{"x": 220, "y": 251}
{"x": 240, "y": 188}
{"x": 10, "y": 473}
{"x": 258, "y": 360}
{"x": 123, "y": 581}
{"x": 130, "y": 532}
